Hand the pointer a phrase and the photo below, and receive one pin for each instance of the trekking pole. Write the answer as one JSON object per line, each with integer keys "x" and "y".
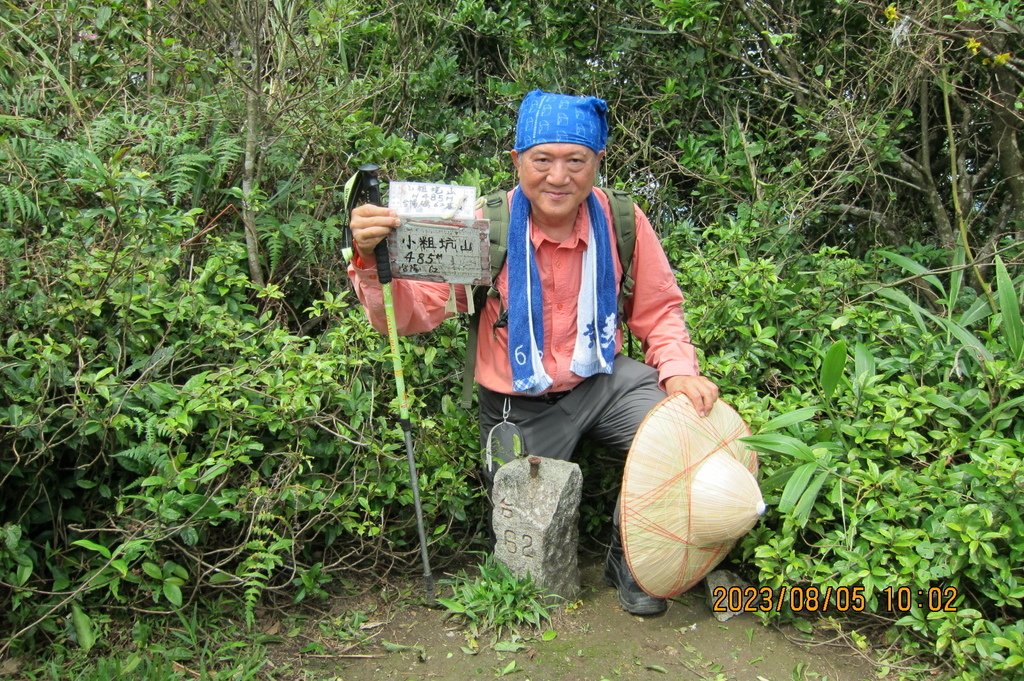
{"x": 368, "y": 185}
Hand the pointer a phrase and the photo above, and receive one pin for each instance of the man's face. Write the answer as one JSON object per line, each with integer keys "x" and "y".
{"x": 556, "y": 178}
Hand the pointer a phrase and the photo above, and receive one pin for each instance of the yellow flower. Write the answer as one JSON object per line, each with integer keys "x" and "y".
{"x": 973, "y": 45}
{"x": 1001, "y": 58}
{"x": 890, "y": 12}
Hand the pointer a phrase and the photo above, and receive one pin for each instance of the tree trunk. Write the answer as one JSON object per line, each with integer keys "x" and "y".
{"x": 253, "y": 90}
{"x": 1006, "y": 130}
{"x": 252, "y": 244}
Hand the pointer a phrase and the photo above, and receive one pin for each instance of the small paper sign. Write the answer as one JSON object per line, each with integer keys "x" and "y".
{"x": 451, "y": 251}
{"x": 439, "y": 238}
{"x": 434, "y": 201}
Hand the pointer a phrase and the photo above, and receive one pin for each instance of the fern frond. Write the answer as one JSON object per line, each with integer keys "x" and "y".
{"x": 143, "y": 458}
{"x": 151, "y": 425}
{"x": 59, "y": 156}
{"x": 330, "y": 232}
{"x": 307, "y": 234}
{"x": 22, "y": 125}
{"x": 17, "y": 209}
{"x": 226, "y": 149}
{"x": 266, "y": 555}
{"x": 25, "y": 154}
{"x": 273, "y": 234}
{"x": 256, "y": 571}
{"x": 105, "y": 131}
{"x": 185, "y": 171}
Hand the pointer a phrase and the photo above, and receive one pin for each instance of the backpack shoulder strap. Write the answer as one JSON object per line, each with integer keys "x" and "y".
{"x": 495, "y": 208}
{"x": 624, "y": 223}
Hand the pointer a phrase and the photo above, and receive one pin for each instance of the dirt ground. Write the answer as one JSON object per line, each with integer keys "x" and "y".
{"x": 593, "y": 640}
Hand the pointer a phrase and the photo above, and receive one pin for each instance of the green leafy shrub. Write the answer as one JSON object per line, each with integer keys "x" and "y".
{"x": 888, "y": 418}
{"x": 496, "y": 601}
{"x": 167, "y": 434}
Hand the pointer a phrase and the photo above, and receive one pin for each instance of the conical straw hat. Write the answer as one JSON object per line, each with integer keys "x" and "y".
{"x": 688, "y": 493}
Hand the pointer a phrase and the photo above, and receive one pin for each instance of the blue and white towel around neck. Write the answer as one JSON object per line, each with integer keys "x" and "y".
{"x": 596, "y": 308}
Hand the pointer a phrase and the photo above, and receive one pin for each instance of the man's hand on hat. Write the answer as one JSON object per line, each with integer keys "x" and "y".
{"x": 370, "y": 224}
{"x": 701, "y": 392}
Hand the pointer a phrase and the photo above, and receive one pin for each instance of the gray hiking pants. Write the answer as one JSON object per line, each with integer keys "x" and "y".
{"x": 608, "y": 408}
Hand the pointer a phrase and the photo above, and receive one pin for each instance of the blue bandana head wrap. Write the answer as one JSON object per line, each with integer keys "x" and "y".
{"x": 546, "y": 117}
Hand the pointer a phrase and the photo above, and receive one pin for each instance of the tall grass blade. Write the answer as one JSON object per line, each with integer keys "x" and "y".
{"x": 788, "y": 419}
{"x": 978, "y": 310}
{"x": 802, "y": 510}
{"x": 778, "y": 480}
{"x": 915, "y": 268}
{"x": 901, "y": 298}
{"x": 1009, "y": 306}
{"x": 863, "y": 360}
{"x": 796, "y": 487}
{"x": 832, "y": 368}
{"x": 956, "y": 279}
{"x": 774, "y": 443}
{"x": 989, "y": 418}
{"x": 968, "y": 339}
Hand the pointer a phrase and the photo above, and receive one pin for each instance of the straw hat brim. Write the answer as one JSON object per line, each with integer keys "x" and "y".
{"x": 688, "y": 492}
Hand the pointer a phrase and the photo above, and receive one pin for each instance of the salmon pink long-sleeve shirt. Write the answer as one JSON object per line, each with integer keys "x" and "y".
{"x": 655, "y": 315}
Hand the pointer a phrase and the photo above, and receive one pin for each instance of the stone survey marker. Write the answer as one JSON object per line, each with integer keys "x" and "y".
{"x": 535, "y": 519}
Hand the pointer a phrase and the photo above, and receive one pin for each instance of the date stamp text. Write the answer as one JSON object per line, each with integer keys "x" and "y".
{"x": 839, "y": 599}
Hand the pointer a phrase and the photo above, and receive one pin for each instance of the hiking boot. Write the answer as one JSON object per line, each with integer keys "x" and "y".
{"x": 632, "y": 598}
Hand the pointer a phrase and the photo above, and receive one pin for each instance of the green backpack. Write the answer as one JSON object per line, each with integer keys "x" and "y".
{"x": 495, "y": 207}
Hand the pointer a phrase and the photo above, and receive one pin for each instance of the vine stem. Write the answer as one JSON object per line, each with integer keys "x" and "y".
{"x": 958, "y": 212}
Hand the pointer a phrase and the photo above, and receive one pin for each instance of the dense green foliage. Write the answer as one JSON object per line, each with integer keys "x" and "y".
{"x": 192, "y": 404}
{"x": 898, "y": 468}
